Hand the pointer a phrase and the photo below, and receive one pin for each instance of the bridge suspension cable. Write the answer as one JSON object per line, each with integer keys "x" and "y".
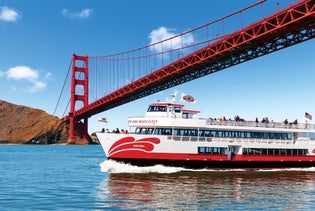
{"x": 111, "y": 72}
{"x": 62, "y": 91}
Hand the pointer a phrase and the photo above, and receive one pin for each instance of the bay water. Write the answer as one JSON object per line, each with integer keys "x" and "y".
{"x": 70, "y": 177}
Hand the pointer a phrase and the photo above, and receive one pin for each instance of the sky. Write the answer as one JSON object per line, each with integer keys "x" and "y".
{"x": 38, "y": 38}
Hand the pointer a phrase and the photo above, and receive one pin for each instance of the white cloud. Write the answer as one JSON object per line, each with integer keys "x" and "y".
{"x": 24, "y": 73}
{"x": 164, "y": 33}
{"x": 83, "y": 14}
{"x": 37, "y": 86}
{"x": 8, "y": 14}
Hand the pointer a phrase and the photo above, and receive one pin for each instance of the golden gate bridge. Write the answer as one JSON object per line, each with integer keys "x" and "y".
{"x": 116, "y": 79}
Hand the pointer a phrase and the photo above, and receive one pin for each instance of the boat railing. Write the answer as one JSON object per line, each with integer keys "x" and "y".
{"x": 271, "y": 124}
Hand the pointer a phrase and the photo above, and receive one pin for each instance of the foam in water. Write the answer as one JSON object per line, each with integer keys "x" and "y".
{"x": 311, "y": 169}
{"x": 111, "y": 166}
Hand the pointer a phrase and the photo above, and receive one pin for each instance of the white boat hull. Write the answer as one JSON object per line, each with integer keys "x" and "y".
{"x": 147, "y": 150}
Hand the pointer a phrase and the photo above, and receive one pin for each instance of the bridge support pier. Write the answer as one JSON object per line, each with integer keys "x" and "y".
{"x": 78, "y": 131}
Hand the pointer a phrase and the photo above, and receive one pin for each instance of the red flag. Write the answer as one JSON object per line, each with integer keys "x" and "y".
{"x": 187, "y": 98}
{"x": 309, "y": 116}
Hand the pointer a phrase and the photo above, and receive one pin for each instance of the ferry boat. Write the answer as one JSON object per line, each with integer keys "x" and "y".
{"x": 171, "y": 135}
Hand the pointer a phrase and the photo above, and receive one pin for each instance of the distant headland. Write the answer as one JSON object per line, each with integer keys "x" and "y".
{"x": 25, "y": 125}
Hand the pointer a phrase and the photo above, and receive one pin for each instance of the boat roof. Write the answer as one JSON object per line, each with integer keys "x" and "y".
{"x": 190, "y": 111}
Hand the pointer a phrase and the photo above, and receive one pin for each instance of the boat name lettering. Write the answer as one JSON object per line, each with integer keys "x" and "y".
{"x": 138, "y": 146}
{"x": 143, "y": 121}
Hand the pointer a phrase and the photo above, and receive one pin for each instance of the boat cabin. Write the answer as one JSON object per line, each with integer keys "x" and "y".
{"x": 170, "y": 110}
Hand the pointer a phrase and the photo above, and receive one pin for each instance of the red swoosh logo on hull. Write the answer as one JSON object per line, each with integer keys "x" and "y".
{"x": 129, "y": 143}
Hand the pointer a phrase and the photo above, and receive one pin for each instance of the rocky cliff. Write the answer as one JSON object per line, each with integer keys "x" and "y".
{"x": 25, "y": 125}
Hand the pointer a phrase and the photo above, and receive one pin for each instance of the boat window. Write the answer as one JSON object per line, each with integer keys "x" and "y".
{"x": 215, "y": 133}
{"x": 283, "y": 136}
{"x": 207, "y": 133}
{"x": 187, "y": 115}
{"x": 144, "y": 130}
{"x": 201, "y": 150}
{"x": 271, "y": 135}
{"x": 177, "y": 109}
{"x": 282, "y": 151}
{"x": 176, "y": 132}
{"x": 257, "y": 151}
{"x": 289, "y": 152}
{"x": 166, "y": 131}
{"x": 216, "y": 150}
{"x": 212, "y": 150}
{"x": 265, "y": 135}
{"x": 209, "y": 150}
{"x": 157, "y": 131}
{"x": 274, "y": 152}
{"x": 137, "y": 130}
{"x": 300, "y": 151}
{"x": 201, "y": 133}
{"x": 289, "y": 136}
{"x": 157, "y": 109}
{"x": 264, "y": 151}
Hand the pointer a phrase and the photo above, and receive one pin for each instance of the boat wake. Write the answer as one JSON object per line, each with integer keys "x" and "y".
{"x": 310, "y": 169}
{"x": 111, "y": 166}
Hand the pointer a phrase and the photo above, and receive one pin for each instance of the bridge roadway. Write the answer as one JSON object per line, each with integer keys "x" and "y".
{"x": 280, "y": 30}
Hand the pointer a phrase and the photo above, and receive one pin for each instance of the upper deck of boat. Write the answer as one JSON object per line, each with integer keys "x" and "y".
{"x": 172, "y": 114}
{"x": 280, "y": 125}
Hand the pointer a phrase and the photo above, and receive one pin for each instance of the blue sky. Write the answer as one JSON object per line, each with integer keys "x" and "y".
{"x": 38, "y": 38}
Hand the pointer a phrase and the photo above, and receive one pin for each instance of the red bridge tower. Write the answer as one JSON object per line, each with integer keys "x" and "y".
{"x": 79, "y": 67}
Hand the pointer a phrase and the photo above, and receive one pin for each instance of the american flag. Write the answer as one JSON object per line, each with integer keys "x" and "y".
{"x": 309, "y": 116}
{"x": 102, "y": 120}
